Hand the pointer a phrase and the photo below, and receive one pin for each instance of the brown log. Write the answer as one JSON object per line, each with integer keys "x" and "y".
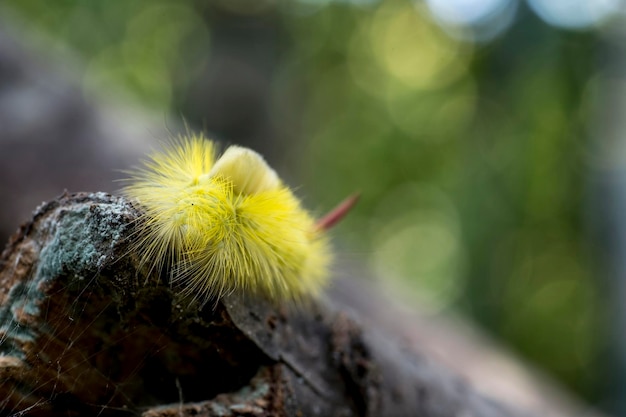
{"x": 85, "y": 331}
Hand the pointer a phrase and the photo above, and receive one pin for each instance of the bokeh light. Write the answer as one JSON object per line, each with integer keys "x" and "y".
{"x": 474, "y": 20}
{"x": 575, "y": 14}
{"x": 466, "y": 12}
{"x": 421, "y": 242}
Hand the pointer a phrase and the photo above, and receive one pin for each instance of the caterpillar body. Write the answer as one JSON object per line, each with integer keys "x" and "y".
{"x": 227, "y": 224}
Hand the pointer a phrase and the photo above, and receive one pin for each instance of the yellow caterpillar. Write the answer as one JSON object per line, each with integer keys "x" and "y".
{"x": 227, "y": 224}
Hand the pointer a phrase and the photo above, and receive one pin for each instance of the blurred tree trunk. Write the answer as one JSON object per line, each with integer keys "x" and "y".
{"x": 607, "y": 190}
{"x": 232, "y": 96}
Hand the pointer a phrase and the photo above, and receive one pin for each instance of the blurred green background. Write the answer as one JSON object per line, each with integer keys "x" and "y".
{"x": 466, "y": 125}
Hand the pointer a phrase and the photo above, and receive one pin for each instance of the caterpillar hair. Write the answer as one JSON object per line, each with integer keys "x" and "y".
{"x": 228, "y": 223}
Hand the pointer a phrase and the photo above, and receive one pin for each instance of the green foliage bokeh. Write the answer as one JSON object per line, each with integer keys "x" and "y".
{"x": 471, "y": 158}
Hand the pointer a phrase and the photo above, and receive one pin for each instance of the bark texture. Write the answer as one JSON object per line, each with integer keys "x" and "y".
{"x": 85, "y": 331}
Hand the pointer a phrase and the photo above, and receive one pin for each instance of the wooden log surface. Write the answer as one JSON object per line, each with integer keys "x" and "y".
{"x": 85, "y": 331}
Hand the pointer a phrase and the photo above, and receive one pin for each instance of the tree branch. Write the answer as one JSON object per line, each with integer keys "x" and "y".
{"x": 85, "y": 330}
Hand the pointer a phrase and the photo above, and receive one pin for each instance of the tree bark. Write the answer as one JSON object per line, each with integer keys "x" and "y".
{"x": 85, "y": 330}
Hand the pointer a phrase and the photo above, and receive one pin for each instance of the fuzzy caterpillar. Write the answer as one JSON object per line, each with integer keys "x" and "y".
{"x": 227, "y": 224}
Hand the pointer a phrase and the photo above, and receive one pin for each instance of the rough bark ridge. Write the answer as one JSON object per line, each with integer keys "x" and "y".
{"x": 85, "y": 331}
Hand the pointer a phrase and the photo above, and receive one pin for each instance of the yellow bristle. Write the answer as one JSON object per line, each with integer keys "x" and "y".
{"x": 226, "y": 225}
